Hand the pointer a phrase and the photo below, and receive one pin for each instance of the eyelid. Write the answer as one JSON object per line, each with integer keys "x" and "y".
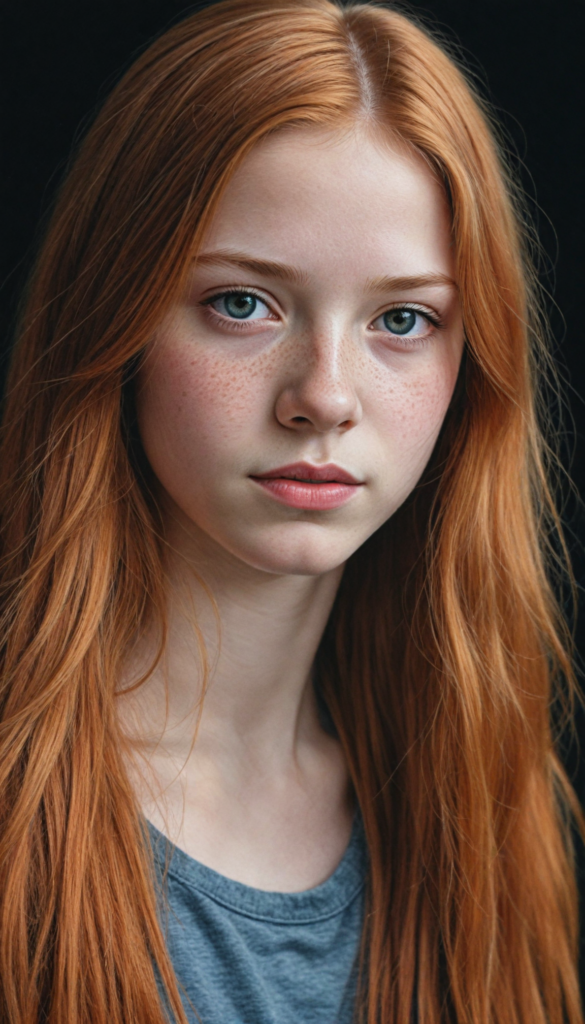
{"x": 242, "y": 290}
{"x": 432, "y": 315}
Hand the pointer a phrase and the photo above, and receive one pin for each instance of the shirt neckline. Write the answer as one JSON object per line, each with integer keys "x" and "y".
{"x": 323, "y": 901}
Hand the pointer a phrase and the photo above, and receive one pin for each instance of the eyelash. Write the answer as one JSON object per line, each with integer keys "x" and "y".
{"x": 432, "y": 317}
{"x": 407, "y": 342}
{"x": 233, "y": 325}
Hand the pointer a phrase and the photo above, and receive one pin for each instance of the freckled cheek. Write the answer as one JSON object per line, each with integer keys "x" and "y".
{"x": 201, "y": 398}
{"x": 411, "y": 413}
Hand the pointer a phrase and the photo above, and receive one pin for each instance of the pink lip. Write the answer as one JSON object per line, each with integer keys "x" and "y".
{"x": 315, "y": 488}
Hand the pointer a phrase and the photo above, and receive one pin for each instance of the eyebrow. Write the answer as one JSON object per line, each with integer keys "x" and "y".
{"x": 285, "y": 272}
{"x": 268, "y": 268}
{"x": 402, "y": 284}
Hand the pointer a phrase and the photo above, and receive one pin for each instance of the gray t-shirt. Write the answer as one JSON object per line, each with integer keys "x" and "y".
{"x": 247, "y": 956}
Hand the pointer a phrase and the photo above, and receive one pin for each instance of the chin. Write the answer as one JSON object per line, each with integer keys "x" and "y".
{"x": 305, "y": 553}
{"x": 301, "y": 566}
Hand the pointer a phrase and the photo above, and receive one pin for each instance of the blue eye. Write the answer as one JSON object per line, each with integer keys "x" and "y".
{"x": 240, "y": 306}
{"x": 404, "y": 322}
{"x": 408, "y": 322}
{"x": 400, "y": 321}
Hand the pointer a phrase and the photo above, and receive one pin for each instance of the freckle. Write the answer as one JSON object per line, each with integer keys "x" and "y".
{"x": 183, "y": 394}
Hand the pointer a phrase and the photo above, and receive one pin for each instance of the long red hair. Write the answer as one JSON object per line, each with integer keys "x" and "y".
{"x": 445, "y": 648}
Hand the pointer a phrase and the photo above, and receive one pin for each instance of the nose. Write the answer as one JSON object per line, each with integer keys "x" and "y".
{"x": 320, "y": 391}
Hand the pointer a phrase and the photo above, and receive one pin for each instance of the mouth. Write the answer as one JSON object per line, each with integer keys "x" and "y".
{"x": 305, "y": 486}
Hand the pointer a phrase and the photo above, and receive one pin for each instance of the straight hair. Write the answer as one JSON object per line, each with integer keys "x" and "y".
{"x": 445, "y": 648}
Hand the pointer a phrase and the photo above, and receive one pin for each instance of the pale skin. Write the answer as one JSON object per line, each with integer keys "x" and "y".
{"x": 322, "y": 235}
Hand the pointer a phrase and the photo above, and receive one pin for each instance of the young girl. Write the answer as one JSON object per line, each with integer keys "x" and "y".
{"x": 278, "y": 640}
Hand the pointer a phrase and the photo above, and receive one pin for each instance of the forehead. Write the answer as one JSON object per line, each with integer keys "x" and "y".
{"x": 352, "y": 203}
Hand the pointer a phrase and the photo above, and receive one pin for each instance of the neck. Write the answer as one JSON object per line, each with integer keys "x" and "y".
{"x": 242, "y": 639}
{"x": 263, "y": 795}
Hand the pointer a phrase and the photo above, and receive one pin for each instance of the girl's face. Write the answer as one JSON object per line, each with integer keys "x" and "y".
{"x": 291, "y": 399}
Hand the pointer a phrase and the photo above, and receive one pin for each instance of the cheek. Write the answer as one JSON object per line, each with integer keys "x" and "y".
{"x": 411, "y": 411}
{"x": 195, "y": 405}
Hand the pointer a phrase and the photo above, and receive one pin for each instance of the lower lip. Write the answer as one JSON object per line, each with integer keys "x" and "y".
{"x": 311, "y": 497}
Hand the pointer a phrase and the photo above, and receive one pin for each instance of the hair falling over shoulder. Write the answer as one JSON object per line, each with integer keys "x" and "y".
{"x": 440, "y": 685}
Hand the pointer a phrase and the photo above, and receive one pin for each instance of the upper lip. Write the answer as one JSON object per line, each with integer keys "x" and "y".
{"x": 306, "y": 471}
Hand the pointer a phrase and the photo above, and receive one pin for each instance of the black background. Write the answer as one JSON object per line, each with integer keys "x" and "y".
{"x": 62, "y": 57}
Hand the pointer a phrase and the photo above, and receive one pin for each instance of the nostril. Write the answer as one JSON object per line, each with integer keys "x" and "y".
{"x": 303, "y": 405}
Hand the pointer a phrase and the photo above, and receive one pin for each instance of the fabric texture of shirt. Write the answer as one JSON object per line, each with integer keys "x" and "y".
{"x": 247, "y": 956}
